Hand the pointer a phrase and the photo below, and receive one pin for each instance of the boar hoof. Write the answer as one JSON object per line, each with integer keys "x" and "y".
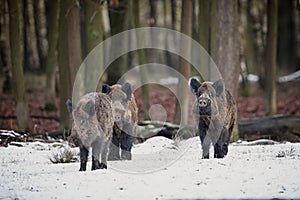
{"x": 95, "y": 165}
{"x": 113, "y": 157}
{"x": 82, "y": 169}
{"x": 126, "y": 155}
{"x": 103, "y": 166}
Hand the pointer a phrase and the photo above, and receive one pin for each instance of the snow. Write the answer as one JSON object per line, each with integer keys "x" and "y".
{"x": 291, "y": 77}
{"x": 255, "y": 171}
{"x": 251, "y": 78}
{"x": 9, "y": 133}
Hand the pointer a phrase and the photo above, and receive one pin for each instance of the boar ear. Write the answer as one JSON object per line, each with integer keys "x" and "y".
{"x": 126, "y": 87}
{"x": 106, "y": 89}
{"x": 194, "y": 85}
{"x": 89, "y": 108}
{"x": 219, "y": 86}
{"x": 69, "y": 105}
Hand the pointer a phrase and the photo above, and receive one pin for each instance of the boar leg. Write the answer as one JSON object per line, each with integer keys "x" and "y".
{"x": 104, "y": 150}
{"x": 205, "y": 141}
{"x": 83, "y": 157}
{"x": 114, "y": 148}
{"x": 220, "y": 148}
{"x": 126, "y": 145}
{"x": 96, "y": 149}
{"x": 227, "y": 140}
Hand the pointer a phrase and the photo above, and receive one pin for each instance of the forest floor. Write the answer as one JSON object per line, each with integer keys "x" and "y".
{"x": 160, "y": 169}
{"x": 250, "y": 107}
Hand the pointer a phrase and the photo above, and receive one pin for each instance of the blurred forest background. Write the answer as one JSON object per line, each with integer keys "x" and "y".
{"x": 43, "y": 43}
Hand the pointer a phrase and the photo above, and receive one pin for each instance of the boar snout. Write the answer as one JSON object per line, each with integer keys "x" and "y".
{"x": 204, "y": 102}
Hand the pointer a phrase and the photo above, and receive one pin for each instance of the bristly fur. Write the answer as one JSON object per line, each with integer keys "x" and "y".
{"x": 214, "y": 112}
{"x": 126, "y": 117}
{"x": 92, "y": 125}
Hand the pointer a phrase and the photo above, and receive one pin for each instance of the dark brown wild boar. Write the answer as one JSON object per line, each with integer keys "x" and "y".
{"x": 214, "y": 111}
{"x": 126, "y": 118}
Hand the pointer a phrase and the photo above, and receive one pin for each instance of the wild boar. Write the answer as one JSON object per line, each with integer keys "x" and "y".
{"x": 125, "y": 120}
{"x": 214, "y": 111}
{"x": 93, "y": 125}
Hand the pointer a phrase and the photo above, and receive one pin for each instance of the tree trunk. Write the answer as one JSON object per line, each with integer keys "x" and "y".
{"x": 118, "y": 22}
{"x": 5, "y": 50}
{"x": 184, "y": 68}
{"x": 173, "y": 14}
{"x": 251, "y": 60}
{"x": 51, "y": 58}
{"x": 41, "y": 31}
{"x": 65, "y": 88}
{"x": 225, "y": 48}
{"x": 203, "y": 19}
{"x": 24, "y": 122}
{"x": 31, "y": 57}
{"x": 286, "y": 38}
{"x": 141, "y": 60}
{"x": 204, "y": 35}
{"x": 271, "y": 101}
{"x": 74, "y": 39}
{"x": 93, "y": 25}
{"x": 225, "y": 45}
{"x": 93, "y": 28}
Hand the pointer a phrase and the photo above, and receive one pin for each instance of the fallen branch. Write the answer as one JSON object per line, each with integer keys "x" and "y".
{"x": 277, "y": 127}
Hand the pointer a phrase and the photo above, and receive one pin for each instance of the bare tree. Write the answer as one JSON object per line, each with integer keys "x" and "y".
{"x": 41, "y": 31}
{"x": 118, "y": 17}
{"x": 63, "y": 63}
{"x": 5, "y": 48}
{"x": 31, "y": 57}
{"x": 93, "y": 29}
{"x": 51, "y": 58}
{"x": 184, "y": 67}
{"x": 74, "y": 38}
{"x": 271, "y": 57}
{"x": 24, "y": 122}
{"x": 225, "y": 42}
{"x": 141, "y": 59}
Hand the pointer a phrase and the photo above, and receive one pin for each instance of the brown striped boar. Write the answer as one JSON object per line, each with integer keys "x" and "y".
{"x": 126, "y": 118}
{"x": 214, "y": 111}
{"x": 93, "y": 126}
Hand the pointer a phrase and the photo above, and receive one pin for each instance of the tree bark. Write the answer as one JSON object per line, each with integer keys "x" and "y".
{"x": 184, "y": 68}
{"x": 118, "y": 22}
{"x": 24, "y": 122}
{"x": 41, "y": 31}
{"x": 65, "y": 88}
{"x": 141, "y": 60}
{"x": 204, "y": 35}
{"x": 286, "y": 39}
{"x": 51, "y": 58}
{"x": 225, "y": 43}
{"x": 31, "y": 57}
{"x": 74, "y": 39}
{"x": 5, "y": 50}
{"x": 271, "y": 101}
{"x": 93, "y": 28}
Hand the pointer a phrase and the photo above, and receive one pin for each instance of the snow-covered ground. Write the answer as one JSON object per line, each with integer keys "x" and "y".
{"x": 161, "y": 169}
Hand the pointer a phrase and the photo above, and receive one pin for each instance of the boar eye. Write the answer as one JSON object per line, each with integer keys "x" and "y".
{"x": 199, "y": 93}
